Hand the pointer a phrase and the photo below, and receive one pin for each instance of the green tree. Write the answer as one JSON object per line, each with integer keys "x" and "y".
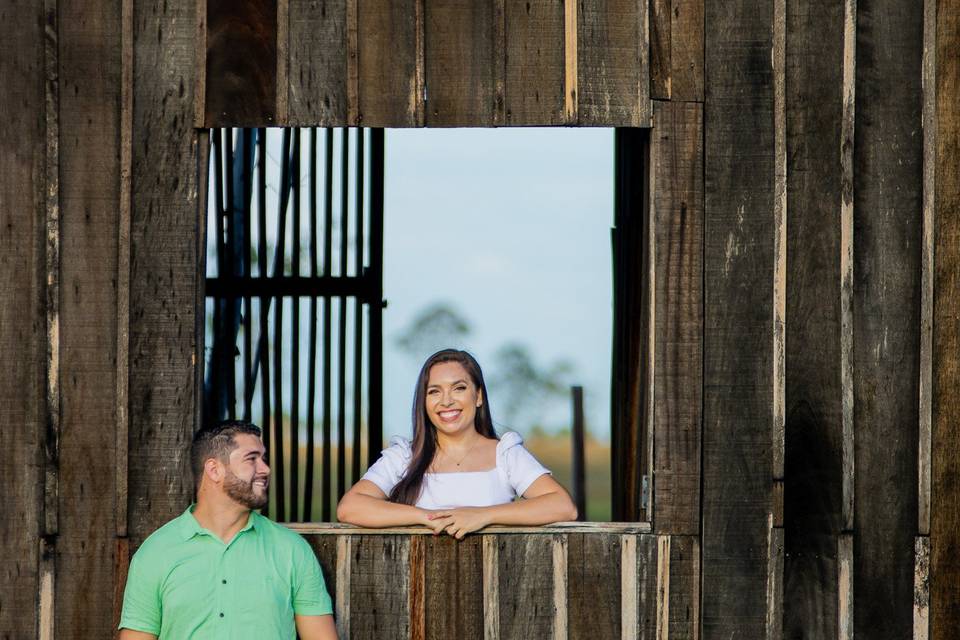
{"x": 436, "y": 327}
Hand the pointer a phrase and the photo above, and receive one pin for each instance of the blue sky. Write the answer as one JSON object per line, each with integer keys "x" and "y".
{"x": 512, "y": 228}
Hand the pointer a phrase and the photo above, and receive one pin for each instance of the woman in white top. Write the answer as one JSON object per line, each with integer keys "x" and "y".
{"x": 456, "y": 476}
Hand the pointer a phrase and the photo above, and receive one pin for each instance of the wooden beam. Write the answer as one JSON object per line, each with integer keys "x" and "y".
{"x": 164, "y": 262}
{"x": 454, "y": 588}
{"x": 595, "y": 581}
{"x": 739, "y": 265}
{"x": 814, "y": 391}
{"x": 379, "y": 587}
{"x": 390, "y": 63}
{"x": 534, "y": 51}
{"x": 945, "y": 463}
{"x": 460, "y": 67}
{"x": 676, "y": 158}
{"x": 317, "y": 68}
{"x": 613, "y": 68}
{"x": 887, "y": 223}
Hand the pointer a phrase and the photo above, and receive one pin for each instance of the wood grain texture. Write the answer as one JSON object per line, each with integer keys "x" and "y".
{"x": 89, "y": 109}
{"x": 379, "y": 583}
{"x": 459, "y": 63}
{"x": 921, "y": 588}
{"x": 318, "y": 63}
{"x": 813, "y": 393}
{"x": 676, "y": 155}
{"x": 526, "y": 586}
{"x": 613, "y": 83}
{"x": 491, "y": 588}
{"x": 241, "y": 83}
{"x": 686, "y": 55}
{"x": 886, "y": 312}
{"x": 534, "y": 71}
{"x": 945, "y": 466}
{"x": 593, "y": 587}
{"x": 454, "y": 588}
{"x": 164, "y": 265}
{"x": 389, "y": 58}
{"x": 22, "y": 319}
{"x": 684, "y": 596}
{"x": 660, "y": 49}
{"x": 738, "y": 338}
{"x": 647, "y": 564}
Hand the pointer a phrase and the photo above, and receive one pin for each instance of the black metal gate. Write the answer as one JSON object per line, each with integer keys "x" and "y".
{"x": 294, "y": 303}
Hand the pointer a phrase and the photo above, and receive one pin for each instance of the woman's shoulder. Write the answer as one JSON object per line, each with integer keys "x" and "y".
{"x": 508, "y": 441}
{"x": 398, "y": 450}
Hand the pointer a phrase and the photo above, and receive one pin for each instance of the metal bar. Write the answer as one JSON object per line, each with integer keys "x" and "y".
{"x": 226, "y": 340}
{"x": 289, "y": 286}
{"x": 578, "y": 481}
{"x": 327, "y": 246}
{"x": 295, "y": 338}
{"x": 249, "y": 139}
{"x": 212, "y": 391}
{"x": 342, "y": 325}
{"x": 263, "y": 351}
{"x": 312, "y": 375}
{"x": 278, "y": 466}
{"x": 358, "y": 316}
{"x": 375, "y": 353}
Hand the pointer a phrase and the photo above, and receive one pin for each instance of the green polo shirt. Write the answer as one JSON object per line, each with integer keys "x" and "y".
{"x": 184, "y": 582}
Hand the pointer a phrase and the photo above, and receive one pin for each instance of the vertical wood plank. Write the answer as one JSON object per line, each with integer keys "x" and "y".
{"x": 684, "y": 595}
{"x": 454, "y": 588}
{"x": 326, "y": 548}
{"x": 845, "y": 586}
{"x": 629, "y": 588}
{"x": 647, "y": 572}
{"x": 775, "y": 584}
{"x": 686, "y": 56}
{"x": 779, "y": 283}
{"x": 459, "y": 65}
{"x": 570, "y": 94}
{"x": 318, "y": 63}
{"x": 594, "y": 585}
{"x": 417, "y": 589}
{"x": 886, "y": 310}
{"x": 282, "y": 61}
{"x": 945, "y": 465}
{"x": 22, "y": 320}
{"x": 344, "y": 567}
{"x": 926, "y": 296}
{"x": 661, "y": 23}
{"x": 921, "y": 588}
{"x": 663, "y": 587}
{"x": 525, "y": 568}
{"x": 676, "y": 153}
{"x": 379, "y": 587}
{"x": 389, "y": 43}
{"x": 491, "y": 588}
{"x": 164, "y": 265}
{"x": 90, "y": 75}
{"x": 560, "y": 609}
{"x": 241, "y": 73}
{"x": 813, "y": 392}
{"x": 613, "y": 86}
{"x": 534, "y": 72}
{"x": 738, "y": 339}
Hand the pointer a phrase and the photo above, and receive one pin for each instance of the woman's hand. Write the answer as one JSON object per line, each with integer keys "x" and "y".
{"x": 461, "y": 521}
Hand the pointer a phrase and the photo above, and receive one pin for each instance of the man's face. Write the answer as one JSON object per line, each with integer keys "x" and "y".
{"x": 247, "y": 475}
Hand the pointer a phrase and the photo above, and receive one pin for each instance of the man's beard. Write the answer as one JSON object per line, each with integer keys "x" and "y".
{"x": 243, "y": 492}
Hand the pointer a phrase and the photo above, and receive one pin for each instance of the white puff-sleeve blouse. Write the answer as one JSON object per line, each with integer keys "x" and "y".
{"x": 515, "y": 471}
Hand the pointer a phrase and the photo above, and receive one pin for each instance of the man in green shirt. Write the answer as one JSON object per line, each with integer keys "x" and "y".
{"x": 222, "y": 570}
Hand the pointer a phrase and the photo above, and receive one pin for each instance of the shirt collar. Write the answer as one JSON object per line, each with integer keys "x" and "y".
{"x": 189, "y": 526}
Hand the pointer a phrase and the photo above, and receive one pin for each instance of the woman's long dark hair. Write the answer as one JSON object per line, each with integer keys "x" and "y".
{"x": 425, "y": 434}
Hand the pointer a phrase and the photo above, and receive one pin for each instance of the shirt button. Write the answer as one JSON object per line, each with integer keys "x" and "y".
{"x": 224, "y": 582}
{"x": 221, "y": 614}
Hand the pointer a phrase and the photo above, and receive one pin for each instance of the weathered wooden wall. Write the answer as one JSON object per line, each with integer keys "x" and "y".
{"x": 436, "y": 63}
{"x": 794, "y": 340}
{"x": 577, "y": 581}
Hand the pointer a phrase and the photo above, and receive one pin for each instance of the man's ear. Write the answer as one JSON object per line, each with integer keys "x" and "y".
{"x": 213, "y": 470}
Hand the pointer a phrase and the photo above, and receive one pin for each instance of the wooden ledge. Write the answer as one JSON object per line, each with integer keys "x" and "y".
{"x": 331, "y": 528}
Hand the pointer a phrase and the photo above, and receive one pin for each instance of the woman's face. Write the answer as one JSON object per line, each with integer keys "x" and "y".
{"x": 451, "y": 398}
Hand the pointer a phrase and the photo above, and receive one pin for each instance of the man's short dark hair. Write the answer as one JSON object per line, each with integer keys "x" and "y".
{"x": 216, "y": 441}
